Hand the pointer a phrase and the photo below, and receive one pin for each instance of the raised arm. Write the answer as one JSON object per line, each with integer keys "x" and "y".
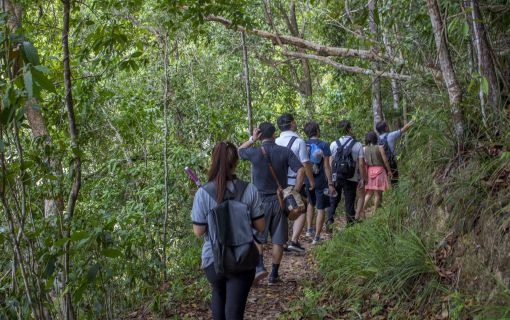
{"x": 406, "y": 126}
{"x": 254, "y": 137}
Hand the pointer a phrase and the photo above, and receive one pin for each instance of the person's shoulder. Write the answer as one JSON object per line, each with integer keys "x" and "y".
{"x": 251, "y": 189}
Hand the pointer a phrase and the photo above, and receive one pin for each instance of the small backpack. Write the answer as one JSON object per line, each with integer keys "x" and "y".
{"x": 383, "y": 141}
{"x": 316, "y": 156}
{"x": 344, "y": 165}
{"x": 230, "y": 231}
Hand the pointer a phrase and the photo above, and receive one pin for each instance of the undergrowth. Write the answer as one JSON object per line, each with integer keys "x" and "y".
{"x": 438, "y": 247}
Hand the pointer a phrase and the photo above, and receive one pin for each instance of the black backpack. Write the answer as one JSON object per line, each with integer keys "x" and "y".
{"x": 343, "y": 164}
{"x": 383, "y": 141}
{"x": 230, "y": 231}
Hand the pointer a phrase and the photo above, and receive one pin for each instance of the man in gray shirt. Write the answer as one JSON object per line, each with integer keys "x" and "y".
{"x": 281, "y": 159}
{"x": 388, "y": 139}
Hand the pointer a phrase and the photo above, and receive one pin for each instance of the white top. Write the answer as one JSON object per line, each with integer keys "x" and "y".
{"x": 299, "y": 149}
{"x": 357, "y": 154}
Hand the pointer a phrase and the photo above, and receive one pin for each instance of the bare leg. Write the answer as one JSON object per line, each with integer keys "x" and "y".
{"x": 319, "y": 222}
{"x": 309, "y": 216}
{"x": 367, "y": 197}
{"x": 277, "y": 253}
{"x": 377, "y": 200}
{"x": 297, "y": 227}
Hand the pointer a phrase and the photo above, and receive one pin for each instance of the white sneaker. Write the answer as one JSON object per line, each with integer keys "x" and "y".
{"x": 309, "y": 232}
{"x": 316, "y": 240}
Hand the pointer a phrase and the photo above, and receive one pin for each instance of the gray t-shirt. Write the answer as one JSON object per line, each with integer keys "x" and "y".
{"x": 299, "y": 149}
{"x": 203, "y": 203}
{"x": 392, "y": 139}
{"x": 282, "y": 160}
{"x": 357, "y": 154}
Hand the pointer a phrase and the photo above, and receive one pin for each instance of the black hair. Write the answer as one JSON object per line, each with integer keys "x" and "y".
{"x": 285, "y": 121}
{"x": 344, "y": 126}
{"x": 311, "y": 129}
{"x": 371, "y": 138}
{"x": 267, "y": 130}
{"x": 381, "y": 127}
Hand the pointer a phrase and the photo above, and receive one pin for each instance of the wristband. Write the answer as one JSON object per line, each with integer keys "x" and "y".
{"x": 251, "y": 139}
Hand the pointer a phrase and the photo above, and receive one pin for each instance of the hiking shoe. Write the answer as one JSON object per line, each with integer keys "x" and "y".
{"x": 259, "y": 275}
{"x": 316, "y": 240}
{"x": 273, "y": 280}
{"x": 310, "y": 232}
{"x": 295, "y": 247}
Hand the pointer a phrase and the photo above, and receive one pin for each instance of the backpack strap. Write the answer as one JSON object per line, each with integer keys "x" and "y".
{"x": 342, "y": 147}
{"x": 351, "y": 145}
{"x": 239, "y": 187}
{"x": 291, "y": 142}
{"x": 271, "y": 170}
{"x": 383, "y": 139}
{"x": 210, "y": 188}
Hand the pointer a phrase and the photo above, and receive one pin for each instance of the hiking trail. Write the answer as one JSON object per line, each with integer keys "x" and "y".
{"x": 271, "y": 302}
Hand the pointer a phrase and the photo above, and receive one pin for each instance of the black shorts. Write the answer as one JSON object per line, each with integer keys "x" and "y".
{"x": 318, "y": 199}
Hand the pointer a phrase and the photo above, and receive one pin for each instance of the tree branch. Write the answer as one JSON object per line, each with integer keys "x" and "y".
{"x": 349, "y": 69}
{"x": 321, "y": 50}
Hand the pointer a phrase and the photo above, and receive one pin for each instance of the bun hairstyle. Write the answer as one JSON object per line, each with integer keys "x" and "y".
{"x": 371, "y": 138}
{"x": 223, "y": 163}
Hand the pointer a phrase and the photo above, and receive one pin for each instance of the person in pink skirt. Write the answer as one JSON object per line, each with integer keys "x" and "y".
{"x": 378, "y": 168}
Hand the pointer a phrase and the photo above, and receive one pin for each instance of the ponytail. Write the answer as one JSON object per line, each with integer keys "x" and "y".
{"x": 224, "y": 160}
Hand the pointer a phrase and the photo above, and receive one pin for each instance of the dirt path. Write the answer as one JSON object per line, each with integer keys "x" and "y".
{"x": 271, "y": 302}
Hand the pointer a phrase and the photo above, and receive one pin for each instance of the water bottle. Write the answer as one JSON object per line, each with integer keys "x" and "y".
{"x": 193, "y": 176}
{"x": 327, "y": 194}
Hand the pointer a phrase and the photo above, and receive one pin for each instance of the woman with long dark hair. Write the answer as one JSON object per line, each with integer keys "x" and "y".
{"x": 378, "y": 167}
{"x": 229, "y": 291}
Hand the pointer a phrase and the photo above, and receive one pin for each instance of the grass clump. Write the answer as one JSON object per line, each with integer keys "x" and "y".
{"x": 370, "y": 261}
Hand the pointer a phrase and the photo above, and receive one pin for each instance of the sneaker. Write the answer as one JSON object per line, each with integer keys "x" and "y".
{"x": 296, "y": 247}
{"x": 273, "y": 280}
{"x": 316, "y": 240}
{"x": 259, "y": 275}
{"x": 310, "y": 232}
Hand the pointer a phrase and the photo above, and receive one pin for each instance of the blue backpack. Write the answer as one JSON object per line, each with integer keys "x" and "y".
{"x": 316, "y": 155}
{"x": 315, "y": 152}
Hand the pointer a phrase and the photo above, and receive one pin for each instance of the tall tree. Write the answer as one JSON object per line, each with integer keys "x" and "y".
{"x": 449, "y": 76}
{"x": 246, "y": 73}
{"x": 76, "y": 170}
{"x": 484, "y": 56}
{"x": 376, "y": 80}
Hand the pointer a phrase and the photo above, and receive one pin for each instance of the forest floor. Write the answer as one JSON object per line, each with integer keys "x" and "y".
{"x": 271, "y": 302}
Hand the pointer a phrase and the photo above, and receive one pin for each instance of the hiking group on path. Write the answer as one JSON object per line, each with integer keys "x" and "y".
{"x": 236, "y": 218}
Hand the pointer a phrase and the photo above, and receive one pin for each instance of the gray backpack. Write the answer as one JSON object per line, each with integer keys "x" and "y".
{"x": 230, "y": 231}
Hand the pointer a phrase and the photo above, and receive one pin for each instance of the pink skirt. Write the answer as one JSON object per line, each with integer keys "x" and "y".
{"x": 377, "y": 179}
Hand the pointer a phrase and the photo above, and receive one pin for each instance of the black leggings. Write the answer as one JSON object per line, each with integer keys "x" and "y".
{"x": 229, "y": 293}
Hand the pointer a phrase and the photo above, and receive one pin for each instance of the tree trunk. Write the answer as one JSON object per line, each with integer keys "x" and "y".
{"x": 445, "y": 62}
{"x": 73, "y": 132}
{"x": 394, "y": 84}
{"x": 376, "y": 81}
{"x": 246, "y": 71}
{"x": 166, "y": 99}
{"x": 481, "y": 46}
